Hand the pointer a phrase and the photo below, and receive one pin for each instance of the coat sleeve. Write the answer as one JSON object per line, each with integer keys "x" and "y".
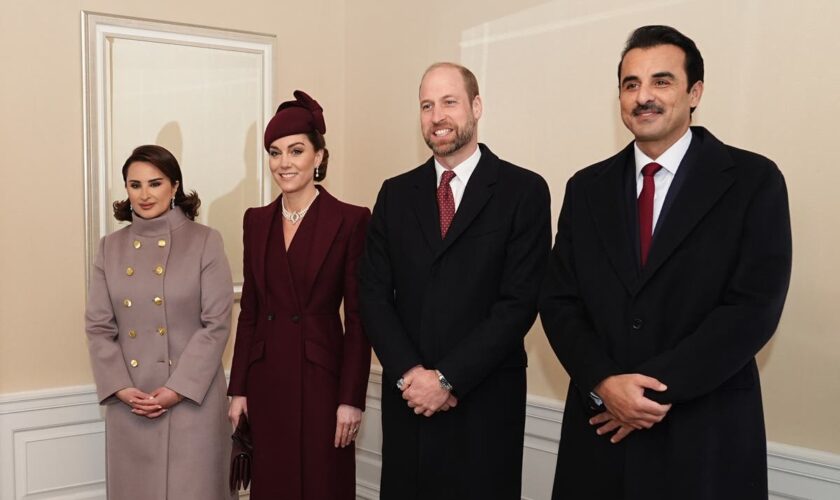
{"x": 355, "y": 362}
{"x": 383, "y": 327}
{"x": 564, "y": 316}
{"x": 513, "y": 314}
{"x": 247, "y": 318}
{"x": 201, "y": 358}
{"x": 733, "y": 332}
{"x": 109, "y": 369}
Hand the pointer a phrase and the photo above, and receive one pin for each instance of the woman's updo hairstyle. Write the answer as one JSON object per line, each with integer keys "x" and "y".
{"x": 165, "y": 162}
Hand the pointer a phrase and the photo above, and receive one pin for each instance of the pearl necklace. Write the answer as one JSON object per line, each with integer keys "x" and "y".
{"x": 295, "y": 217}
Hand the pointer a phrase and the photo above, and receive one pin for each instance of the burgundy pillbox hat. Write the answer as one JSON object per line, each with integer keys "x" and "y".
{"x": 301, "y": 116}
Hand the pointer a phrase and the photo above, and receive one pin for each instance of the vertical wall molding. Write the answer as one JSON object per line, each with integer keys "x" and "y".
{"x": 52, "y": 446}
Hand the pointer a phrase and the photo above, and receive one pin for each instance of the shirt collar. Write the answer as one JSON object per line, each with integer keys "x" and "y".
{"x": 463, "y": 170}
{"x": 670, "y": 159}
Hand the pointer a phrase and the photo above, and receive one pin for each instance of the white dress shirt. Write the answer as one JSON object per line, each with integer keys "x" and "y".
{"x": 670, "y": 161}
{"x": 463, "y": 171}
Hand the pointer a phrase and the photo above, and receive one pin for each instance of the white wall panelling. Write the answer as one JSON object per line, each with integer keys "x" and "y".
{"x": 52, "y": 445}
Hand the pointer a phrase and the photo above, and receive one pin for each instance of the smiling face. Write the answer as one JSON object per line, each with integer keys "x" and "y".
{"x": 448, "y": 118}
{"x": 654, "y": 95}
{"x": 150, "y": 191}
{"x": 292, "y": 160}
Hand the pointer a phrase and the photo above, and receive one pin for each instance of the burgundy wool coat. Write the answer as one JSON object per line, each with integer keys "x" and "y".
{"x": 293, "y": 360}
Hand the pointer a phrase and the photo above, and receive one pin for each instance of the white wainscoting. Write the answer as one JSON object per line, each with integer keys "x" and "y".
{"x": 52, "y": 446}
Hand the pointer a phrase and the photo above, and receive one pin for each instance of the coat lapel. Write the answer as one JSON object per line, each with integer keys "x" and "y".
{"x": 326, "y": 228}
{"x": 262, "y": 229}
{"x": 478, "y": 191}
{"x": 705, "y": 183}
{"x": 606, "y": 197}
{"x": 425, "y": 204}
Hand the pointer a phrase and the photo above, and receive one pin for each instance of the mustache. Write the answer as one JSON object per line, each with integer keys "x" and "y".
{"x": 647, "y": 107}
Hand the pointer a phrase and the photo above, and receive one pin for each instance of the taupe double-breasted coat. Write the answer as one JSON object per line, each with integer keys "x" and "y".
{"x": 158, "y": 314}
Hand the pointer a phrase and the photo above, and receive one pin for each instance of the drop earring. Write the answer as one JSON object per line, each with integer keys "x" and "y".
{"x": 131, "y": 208}
{"x": 316, "y": 172}
{"x": 172, "y": 203}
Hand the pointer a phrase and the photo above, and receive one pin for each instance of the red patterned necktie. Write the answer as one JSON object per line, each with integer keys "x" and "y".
{"x": 646, "y": 209}
{"x": 446, "y": 202}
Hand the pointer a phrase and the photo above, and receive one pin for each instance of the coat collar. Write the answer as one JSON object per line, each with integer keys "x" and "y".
{"x": 164, "y": 224}
{"x": 478, "y": 191}
{"x": 707, "y": 165}
{"x": 330, "y": 218}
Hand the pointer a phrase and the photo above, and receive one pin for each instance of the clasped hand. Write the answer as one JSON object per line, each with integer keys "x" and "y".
{"x": 423, "y": 392}
{"x": 151, "y": 405}
{"x": 627, "y": 407}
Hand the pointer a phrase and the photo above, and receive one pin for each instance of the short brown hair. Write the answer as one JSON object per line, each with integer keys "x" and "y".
{"x": 165, "y": 161}
{"x": 470, "y": 82}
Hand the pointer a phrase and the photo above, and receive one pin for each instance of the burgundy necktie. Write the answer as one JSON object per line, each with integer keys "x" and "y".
{"x": 446, "y": 202}
{"x": 646, "y": 208}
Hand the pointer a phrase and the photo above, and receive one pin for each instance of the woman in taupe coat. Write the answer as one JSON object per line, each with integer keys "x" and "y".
{"x": 158, "y": 319}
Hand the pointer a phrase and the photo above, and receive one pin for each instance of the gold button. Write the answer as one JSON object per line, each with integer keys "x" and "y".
{"x": 158, "y": 301}
{"x": 137, "y": 244}
{"x": 132, "y": 333}
{"x": 161, "y": 331}
{"x": 134, "y": 363}
{"x": 159, "y": 270}
{"x": 127, "y": 302}
{"x": 129, "y": 271}
{"x": 161, "y": 243}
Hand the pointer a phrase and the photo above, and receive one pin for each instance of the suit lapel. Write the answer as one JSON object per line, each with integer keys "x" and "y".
{"x": 425, "y": 204}
{"x": 705, "y": 183}
{"x": 478, "y": 191}
{"x": 326, "y": 228}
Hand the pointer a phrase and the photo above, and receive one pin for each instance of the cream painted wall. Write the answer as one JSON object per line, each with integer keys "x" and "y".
{"x": 548, "y": 75}
{"x": 42, "y": 293}
{"x": 547, "y": 71}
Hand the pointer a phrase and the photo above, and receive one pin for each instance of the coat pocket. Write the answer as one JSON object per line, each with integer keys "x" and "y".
{"x": 321, "y": 356}
{"x": 257, "y": 352}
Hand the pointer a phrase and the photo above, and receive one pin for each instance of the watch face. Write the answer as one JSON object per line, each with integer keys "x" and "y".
{"x": 444, "y": 383}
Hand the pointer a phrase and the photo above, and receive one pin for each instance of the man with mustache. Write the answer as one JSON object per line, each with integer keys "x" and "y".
{"x": 450, "y": 279}
{"x": 668, "y": 274}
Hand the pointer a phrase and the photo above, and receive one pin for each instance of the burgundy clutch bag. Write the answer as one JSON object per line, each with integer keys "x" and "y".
{"x": 241, "y": 456}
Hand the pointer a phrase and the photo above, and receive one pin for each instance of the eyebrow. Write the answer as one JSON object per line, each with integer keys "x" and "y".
{"x": 629, "y": 78}
{"x": 664, "y": 74}
{"x": 275, "y": 148}
{"x": 150, "y": 180}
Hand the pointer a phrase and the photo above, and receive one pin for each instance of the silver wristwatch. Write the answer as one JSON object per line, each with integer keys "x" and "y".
{"x": 443, "y": 382}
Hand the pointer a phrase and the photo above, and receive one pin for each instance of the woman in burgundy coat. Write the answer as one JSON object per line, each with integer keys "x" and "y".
{"x": 297, "y": 374}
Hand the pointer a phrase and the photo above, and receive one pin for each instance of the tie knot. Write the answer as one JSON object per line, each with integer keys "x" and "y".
{"x": 651, "y": 169}
{"x": 447, "y": 176}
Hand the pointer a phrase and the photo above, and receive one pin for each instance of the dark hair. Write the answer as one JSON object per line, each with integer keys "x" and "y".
{"x": 470, "y": 81}
{"x": 652, "y": 36}
{"x": 166, "y": 163}
{"x": 317, "y": 140}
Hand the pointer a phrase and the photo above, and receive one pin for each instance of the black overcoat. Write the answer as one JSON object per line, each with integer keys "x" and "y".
{"x": 461, "y": 305}
{"x": 708, "y": 299}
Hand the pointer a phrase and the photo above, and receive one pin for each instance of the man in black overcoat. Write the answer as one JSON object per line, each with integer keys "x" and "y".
{"x": 668, "y": 274}
{"x": 449, "y": 287}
